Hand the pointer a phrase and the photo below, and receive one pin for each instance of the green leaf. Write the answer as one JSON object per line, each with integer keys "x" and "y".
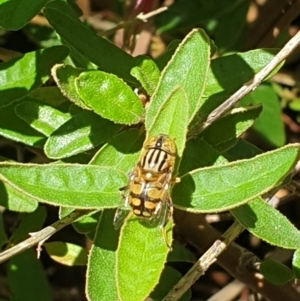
{"x": 81, "y": 133}
{"x": 30, "y": 222}
{"x": 21, "y": 285}
{"x": 21, "y": 75}
{"x": 267, "y": 223}
{"x": 140, "y": 249}
{"x": 215, "y": 189}
{"x": 101, "y": 279}
{"x": 99, "y": 51}
{"x": 87, "y": 224}
{"x": 14, "y": 128}
{"x": 65, "y": 76}
{"x": 296, "y": 263}
{"x": 41, "y": 117}
{"x": 269, "y": 125}
{"x": 242, "y": 150}
{"x": 227, "y": 74}
{"x": 15, "y": 200}
{"x": 122, "y": 151}
{"x": 172, "y": 119}
{"x": 49, "y": 95}
{"x": 169, "y": 278}
{"x": 223, "y": 133}
{"x": 230, "y": 72}
{"x": 83, "y": 158}
{"x": 275, "y": 272}
{"x": 66, "y": 253}
{"x": 186, "y": 70}
{"x": 14, "y": 14}
{"x": 181, "y": 253}
{"x": 109, "y": 96}
{"x": 70, "y": 185}
{"x": 163, "y": 60}
{"x": 199, "y": 154}
{"x": 146, "y": 72}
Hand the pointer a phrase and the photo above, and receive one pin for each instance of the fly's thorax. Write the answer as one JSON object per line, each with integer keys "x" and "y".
{"x": 158, "y": 155}
{"x": 157, "y": 161}
{"x": 162, "y": 142}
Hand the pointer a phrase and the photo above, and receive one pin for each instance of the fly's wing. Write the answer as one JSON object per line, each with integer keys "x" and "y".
{"x": 121, "y": 215}
{"x": 166, "y": 211}
{"x": 122, "y": 212}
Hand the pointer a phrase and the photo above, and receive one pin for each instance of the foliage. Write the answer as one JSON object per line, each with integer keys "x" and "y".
{"x": 91, "y": 126}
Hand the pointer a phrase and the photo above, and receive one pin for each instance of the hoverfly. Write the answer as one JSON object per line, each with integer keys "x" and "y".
{"x": 147, "y": 191}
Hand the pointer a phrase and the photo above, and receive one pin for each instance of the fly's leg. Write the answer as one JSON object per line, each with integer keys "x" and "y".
{"x": 175, "y": 180}
{"x": 122, "y": 212}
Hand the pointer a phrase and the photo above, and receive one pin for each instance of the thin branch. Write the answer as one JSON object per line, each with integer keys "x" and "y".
{"x": 41, "y": 236}
{"x": 204, "y": 262}
{"x": 140, "y": 17}
{"x": 255, "y": 82}
{"x": 239, "y": 262}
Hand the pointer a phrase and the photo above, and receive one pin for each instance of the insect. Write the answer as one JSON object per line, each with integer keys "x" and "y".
{"x": 147, "y": 191}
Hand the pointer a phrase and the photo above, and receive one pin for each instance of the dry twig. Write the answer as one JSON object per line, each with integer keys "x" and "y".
{"x": 141, "y": 17}
{"x": 204, "y": 262}
{"x": 255, "y": 82}
{"x": 38, "y": 238}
